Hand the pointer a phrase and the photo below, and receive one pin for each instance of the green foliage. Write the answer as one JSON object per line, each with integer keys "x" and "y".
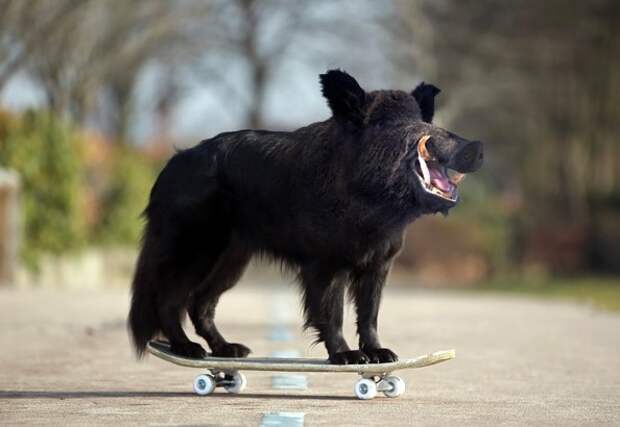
{"x": 46, "y": 154}
{"x": 600, "y": 291}
{"x": 124, "y": 198}
{"x": 485, "y": 223}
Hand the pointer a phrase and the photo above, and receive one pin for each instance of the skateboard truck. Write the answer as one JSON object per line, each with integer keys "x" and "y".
{"x": 232, "y": 381}
{"x": 366, "y": 388}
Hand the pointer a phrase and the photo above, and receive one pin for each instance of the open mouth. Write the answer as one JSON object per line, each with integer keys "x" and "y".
{"x": 435, "y": 178}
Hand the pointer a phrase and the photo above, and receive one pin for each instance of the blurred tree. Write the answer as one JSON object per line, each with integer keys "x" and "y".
{"x": 538, "y": 82}
{"x": 260, "y": 35}
{"x": 540, "y": 78}
{"x": 25, "y": 25}
{"x": 105, "y": 51}
{"x": 237, "y": 29}
{"x": 88, "y": 55}
{"x": 124, "y": 197}
{"x": 47, "y": 155}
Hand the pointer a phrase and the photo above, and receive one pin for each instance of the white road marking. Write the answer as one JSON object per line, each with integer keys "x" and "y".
{"x": 281, "y": 310}
{"x": 289, "y": 382}
{"x": 280, "y": 333}
{"x": 285, "y": 354}
{"x": 282, "y": 419}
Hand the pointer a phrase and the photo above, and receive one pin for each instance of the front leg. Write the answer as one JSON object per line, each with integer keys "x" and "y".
{"x": 366, "y": 288}
{"x": 323, "y": 309}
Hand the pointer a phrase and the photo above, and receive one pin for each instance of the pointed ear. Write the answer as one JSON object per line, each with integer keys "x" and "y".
{"x": 425, "y": 95}
{"x": 344, "y": 95}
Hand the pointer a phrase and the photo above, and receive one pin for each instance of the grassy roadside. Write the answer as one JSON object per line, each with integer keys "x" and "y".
{"x": 602, "y": 292}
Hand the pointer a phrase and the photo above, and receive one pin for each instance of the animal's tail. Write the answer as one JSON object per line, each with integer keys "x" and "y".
{"x": 143, "y": 320}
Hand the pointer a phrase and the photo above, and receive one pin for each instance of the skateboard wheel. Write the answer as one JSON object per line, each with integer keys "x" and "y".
{"x": 365, "y": 389}
{"x": 238, "y": 383}
{"x": 395, "y": 386}
{"x": 204, "y": 384}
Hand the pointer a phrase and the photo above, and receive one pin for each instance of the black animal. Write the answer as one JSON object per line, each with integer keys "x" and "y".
{"x": 330, "y": 200}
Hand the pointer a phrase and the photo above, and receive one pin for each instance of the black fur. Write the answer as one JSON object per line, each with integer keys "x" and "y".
{"x": 329, "y": 200}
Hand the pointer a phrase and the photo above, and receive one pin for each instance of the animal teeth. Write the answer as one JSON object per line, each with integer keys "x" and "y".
{"x": 425, "y": 172}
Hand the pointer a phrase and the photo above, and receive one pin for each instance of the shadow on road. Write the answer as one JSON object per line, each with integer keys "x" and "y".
{"x": 8, "y": 394}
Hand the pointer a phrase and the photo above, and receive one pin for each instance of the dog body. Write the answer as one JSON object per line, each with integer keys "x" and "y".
{"x": 330, "y": 201}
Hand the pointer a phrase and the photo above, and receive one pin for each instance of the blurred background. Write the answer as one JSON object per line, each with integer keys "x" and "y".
{"x": 96, "y": 94}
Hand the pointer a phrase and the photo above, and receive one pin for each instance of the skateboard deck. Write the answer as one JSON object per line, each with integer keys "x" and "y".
{"x": 161, "y": 349}
{"x": 225, "y": 371}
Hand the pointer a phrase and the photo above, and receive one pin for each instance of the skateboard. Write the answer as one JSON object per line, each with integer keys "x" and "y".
{"x": 225, "y": 372}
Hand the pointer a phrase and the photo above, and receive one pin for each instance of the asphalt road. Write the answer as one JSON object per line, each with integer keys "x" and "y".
{"x": 65, "y": 359}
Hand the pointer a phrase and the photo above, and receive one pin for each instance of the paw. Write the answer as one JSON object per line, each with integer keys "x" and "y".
{"x": 353, "y": 357}
{"x": 231, "y": 350}
{"x": 188, "y": 349}
{"x": 381, "y": 355}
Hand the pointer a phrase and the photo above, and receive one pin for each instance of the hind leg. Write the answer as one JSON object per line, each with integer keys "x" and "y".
{"x": 188, "y": 227}
{"x": 224, "y": 275}
{"x": 169, "y": 311}
{"x": 323, "y": 307}
{"x": 175, "y": 282}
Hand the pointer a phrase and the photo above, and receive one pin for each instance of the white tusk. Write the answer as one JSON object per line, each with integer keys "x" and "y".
{"x": 425, "y": 173}
{"x": 458, "y": 177}
{"x": 422, "y": 151}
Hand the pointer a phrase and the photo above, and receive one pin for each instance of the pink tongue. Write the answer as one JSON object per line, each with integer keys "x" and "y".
{"x": 440, "y": 181}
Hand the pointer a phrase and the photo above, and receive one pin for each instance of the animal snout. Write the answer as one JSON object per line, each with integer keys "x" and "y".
{"x": 468, "y": 158}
